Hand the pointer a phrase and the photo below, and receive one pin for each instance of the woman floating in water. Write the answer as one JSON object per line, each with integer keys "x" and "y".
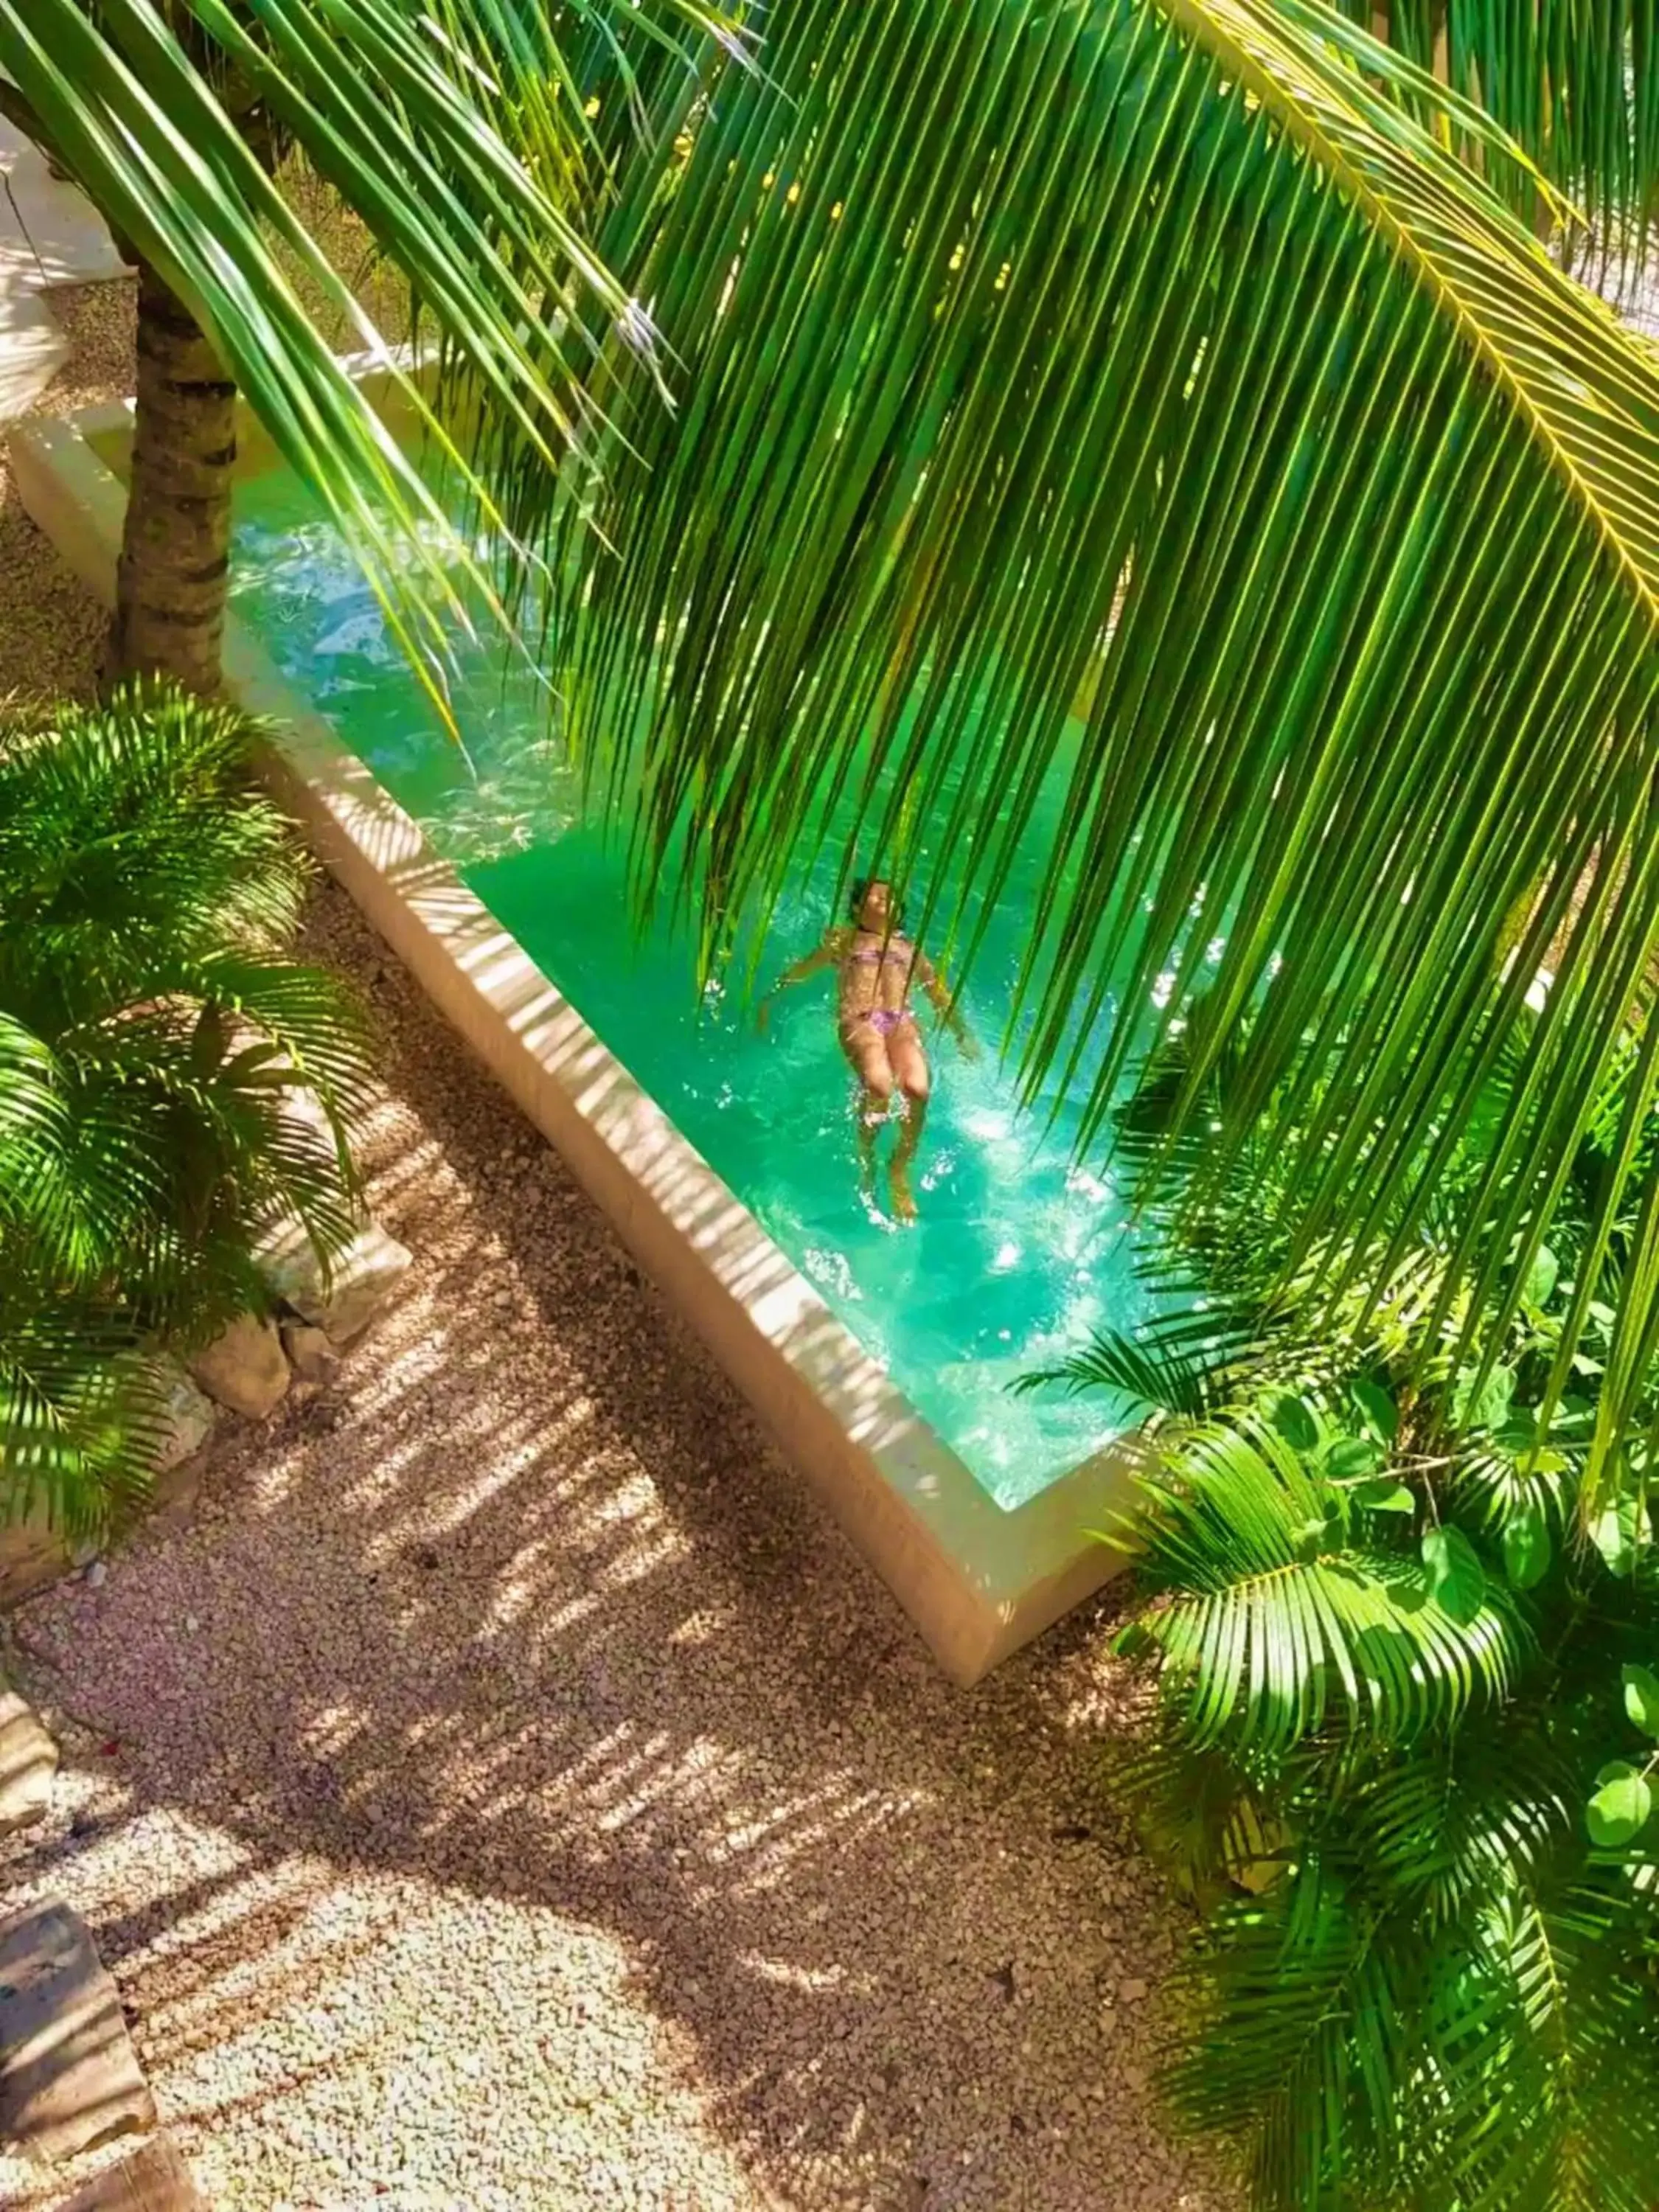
{"x": 876, "y": 1027}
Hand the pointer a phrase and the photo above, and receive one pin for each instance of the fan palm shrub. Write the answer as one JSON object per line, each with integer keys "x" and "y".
{"x": 1408, "y": 1721}
{"x": 174, "y": 1082}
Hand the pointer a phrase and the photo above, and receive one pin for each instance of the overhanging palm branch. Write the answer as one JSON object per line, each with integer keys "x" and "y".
{"x": 1577, "y": 87}
{"x": 457, "y": 132}
{"x": 1132, "y": 401}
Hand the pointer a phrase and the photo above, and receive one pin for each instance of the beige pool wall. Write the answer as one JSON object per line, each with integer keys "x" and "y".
{"x": 978, "y": 1580}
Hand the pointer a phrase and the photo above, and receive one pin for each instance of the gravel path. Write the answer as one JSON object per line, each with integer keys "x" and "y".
{"x": 506, "y": 1789}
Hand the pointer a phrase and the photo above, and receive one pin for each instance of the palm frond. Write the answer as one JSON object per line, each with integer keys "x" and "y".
{"x": 1578, "y": 87}
{"x": 1542, "y": 2093}
{"x": 130, "y": 837}
{"x": 1286, "y": 1605}
{"x": 1303, "y": 2042}
{"x": 1154, "y": 416}
{"x": 82, "y": 1410}
{"x": 1171, "y": 1365}
{"x": 174, "y": 1085}
{"x": 404, "y": 109}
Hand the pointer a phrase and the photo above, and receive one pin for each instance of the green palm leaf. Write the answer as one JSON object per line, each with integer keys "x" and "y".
{"x": 1283, "y": 1609}
{"x": 81, "y": 1410}
{"x": 1577, "y": 87}
{"x": 455, "y": 132}
{"x": 1304, "y": 2042}
{"x": 1148, "y": 407}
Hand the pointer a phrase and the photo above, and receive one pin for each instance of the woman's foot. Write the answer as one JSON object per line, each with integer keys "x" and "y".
{"x": 904, "y": 1204}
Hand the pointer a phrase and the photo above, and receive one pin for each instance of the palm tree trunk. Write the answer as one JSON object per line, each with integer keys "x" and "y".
{"x": 176, "y": 550}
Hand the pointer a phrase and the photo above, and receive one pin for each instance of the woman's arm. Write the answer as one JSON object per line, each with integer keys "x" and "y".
{"x": 828, "y": 954}
{"x": 933, "y": 983}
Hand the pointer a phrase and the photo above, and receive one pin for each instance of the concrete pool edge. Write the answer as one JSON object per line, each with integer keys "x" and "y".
{"x": 977, "y": 1579}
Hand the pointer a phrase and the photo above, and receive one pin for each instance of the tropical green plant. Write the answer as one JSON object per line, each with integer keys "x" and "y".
{"x": 1162, "y": 397}
{"x": 1578, "y": 87}
{"x": 1149, "y": 406}
{"x": 174, "y": 1082}
{"x": 1407, "y": 1721}
{"x": 460, "y": 136}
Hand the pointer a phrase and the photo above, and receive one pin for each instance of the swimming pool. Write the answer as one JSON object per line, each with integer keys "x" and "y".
{"x": 1016, "y": 1252}
{"x": 1019, "y": 1252}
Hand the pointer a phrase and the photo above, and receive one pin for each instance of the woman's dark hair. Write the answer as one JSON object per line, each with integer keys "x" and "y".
{"x": 862, "y": 887}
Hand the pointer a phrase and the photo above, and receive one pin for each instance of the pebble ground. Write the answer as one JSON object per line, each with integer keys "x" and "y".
{"x": 502, "y": 1789}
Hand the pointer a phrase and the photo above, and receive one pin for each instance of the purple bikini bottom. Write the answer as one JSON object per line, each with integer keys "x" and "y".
{"x": 884, "y": 1020}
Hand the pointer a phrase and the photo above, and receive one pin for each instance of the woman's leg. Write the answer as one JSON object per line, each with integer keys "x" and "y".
{"x": 907, "y": 1058}
{"x": 867, "y": 1051}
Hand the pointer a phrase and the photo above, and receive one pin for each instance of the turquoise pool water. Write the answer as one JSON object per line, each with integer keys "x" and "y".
{"x": 1018, "y": 1253}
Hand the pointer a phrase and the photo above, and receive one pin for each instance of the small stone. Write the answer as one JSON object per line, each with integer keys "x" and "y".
{"x": 341, "y": 1299}
{"x": 191, "y": 1624}
{"x": 97, "y": 1574}
{"x": 245, "y": 1368}
{"x": 1132, "y": 1990}
{"x": 29, "y": 1760}
{"x": 310, "y": 1354}
{"x": 188, "y": 1418}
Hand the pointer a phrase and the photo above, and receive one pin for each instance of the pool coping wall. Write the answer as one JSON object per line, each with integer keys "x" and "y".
{"x": 978, "y": 1579}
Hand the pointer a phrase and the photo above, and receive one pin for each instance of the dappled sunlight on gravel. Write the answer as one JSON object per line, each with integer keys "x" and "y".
{"x": 505, "y": 1792}
{"x": 504, "y": 1789}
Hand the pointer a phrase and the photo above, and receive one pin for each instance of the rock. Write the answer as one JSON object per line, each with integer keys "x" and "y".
{"x": 68, "y": 2076}
{"x": 96, "y": 1574}
{"x": 245, "y": 1368}
{"x": 310, "y": 1354}
{"x": 29, "y": 1760}
{"x": 342, "y": 1300}
{"x": 189, "y": 1418}
{"x": 1132, "y": 1990}
{"x": 153, "y": 2179}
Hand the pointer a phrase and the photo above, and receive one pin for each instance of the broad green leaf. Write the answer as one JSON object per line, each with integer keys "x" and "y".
{"x": 1351, "y": 1457}
{"x": 1308, "y": 1538}
{"x": 1618, "y": 1811}
{"x": 1527, "y": 1547}
{"x": 1455, "y": 1574}
{"x": 1295, "y": 1422}
{"x": 1641, "y": 1699}
{"x": 1612, "y": 1534}
{"x": 1483, "y": 1404}
{"x": 1385, "y": 1496}
{"x": 1378, "y": 1407}
{"x": 1542, "y": 1276}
